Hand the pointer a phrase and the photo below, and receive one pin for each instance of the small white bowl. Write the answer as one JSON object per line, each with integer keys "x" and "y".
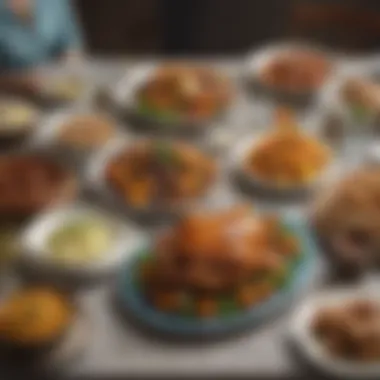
{"x": 302, "y": 335}
{"x": 36, "y": 255}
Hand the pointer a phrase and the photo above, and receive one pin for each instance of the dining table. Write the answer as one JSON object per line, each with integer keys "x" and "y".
{"x": 116, "y": 348}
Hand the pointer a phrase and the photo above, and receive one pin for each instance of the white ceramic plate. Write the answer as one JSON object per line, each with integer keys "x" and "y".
{"x": 301, "y": 332}
{"x": 36, "y": 255}
{"x": 96, "y": 181}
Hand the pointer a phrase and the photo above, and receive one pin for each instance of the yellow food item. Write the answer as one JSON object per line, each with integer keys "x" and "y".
{"x": 287, "y": 155}
{"x": 34, "y": 316}
{"x": 80, "y": 240}
{"x": 14, "y": 116}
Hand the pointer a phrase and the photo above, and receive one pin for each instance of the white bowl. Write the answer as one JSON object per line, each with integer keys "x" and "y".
{"x": 36, "y": 255}
{"x": 302, "y": 335}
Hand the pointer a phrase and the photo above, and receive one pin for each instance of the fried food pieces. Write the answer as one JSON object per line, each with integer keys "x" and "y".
{"x": 287, "y": 156}
{"x": 160, "y": 171}
{"x": 185, "y": 90}
{"x": 208, "y": 256}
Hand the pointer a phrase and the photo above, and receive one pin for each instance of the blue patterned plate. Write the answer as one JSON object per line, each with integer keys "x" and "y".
{"x": 300, "y": 274}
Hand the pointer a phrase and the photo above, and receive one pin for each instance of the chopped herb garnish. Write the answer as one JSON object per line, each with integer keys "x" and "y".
{"x": 228, "y": 305}
{"x": 149, "y": 110}
{"x": 165, "y": 153}
{"x": 360, "y": 113}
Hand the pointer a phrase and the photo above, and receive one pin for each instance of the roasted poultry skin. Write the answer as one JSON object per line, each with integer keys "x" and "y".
{"x": 212, "y": 254}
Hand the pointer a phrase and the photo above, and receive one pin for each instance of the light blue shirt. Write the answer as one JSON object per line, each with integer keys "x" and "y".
{"x": 51, "y": 31}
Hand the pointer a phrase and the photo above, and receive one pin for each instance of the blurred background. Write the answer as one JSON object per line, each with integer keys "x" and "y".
{"x": 223, "y": 27}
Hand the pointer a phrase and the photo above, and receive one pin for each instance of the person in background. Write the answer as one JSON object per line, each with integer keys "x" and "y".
{"x": 34, "y": 33}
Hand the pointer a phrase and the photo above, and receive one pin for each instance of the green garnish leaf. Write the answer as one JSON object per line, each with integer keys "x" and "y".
{"x": 165, "y": 153}
{"x": 227, "y": 306}
{"x": 360, "y": 113}
{"x": 165, "y": 116}
{"x": 279, "y": 279}
{"x": 188, "y": 306}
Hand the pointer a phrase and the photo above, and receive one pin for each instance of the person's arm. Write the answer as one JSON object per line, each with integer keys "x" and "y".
{"x": 71, "y": 42}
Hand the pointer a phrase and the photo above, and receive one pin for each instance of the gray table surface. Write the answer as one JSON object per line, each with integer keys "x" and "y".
{"x": 117, "y": 348}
